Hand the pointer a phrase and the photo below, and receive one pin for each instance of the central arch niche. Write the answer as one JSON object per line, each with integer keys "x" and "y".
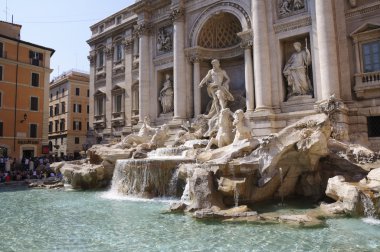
{"x": 218, "y": 39}
{"x": 220, "y": 31}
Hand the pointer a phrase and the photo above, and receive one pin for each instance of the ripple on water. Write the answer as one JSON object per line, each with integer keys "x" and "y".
{"x": 47, "y": 220}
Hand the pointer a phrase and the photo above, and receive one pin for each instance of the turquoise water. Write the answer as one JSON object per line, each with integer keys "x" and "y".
{"x": 50, "y": 220}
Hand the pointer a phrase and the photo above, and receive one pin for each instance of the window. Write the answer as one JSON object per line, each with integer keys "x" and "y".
{"x": 1, "y": 129}
{"x": 51, "y": 111}
{"x": 56, "y": 94}
{"x": 77, "y": 91}
{"x": 56, "y": 123}
{"x": 62, "y": 125}
{"x": 63, "y": 92}
{"x": 77, "y": 108}
{"x": 50, "y": 127}
{"x": 371, "y": 56}
{"x": 35, "y": 79}
{"x": 1, "y": 50}
{"x": 56, "y": 109}
{"x": 99, "y": 105}
{"x": 34, "y": 103}
{"x": 101, "y": 28}
{"x": 1, "y": 72}
{"x": 63, "y": 107}
{"x": 100, "y": 58}
{"x": 77, "y": 125}
{"x": 33, "y": 130}
{"x": 35, "y": 58}
{"x": 118, "y": 20}
{"x": 118, "y": 102}
{"x": 118, "y": 52}
{"x": 1, "y": 99}
{"x": 77, "y": 140}
{"x": 88, "y": 109}
{"x": 373, "y": 123}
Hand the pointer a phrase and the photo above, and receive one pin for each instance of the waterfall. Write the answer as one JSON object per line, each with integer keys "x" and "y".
{"x": 368, "y": 206}
{"x": 173, "y": 183}
{"x": 236, "y": 195}
{"x": 168, "y": 152}
{"x": 186, "y": 193}
{"x": 146, "y": 177}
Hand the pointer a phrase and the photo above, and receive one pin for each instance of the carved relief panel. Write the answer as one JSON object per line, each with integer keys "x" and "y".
{"x": 164, "y": 42}
{"x": 286, "y": 8}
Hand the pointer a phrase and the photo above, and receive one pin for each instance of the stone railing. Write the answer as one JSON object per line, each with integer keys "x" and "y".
{"x": 118, "y": 119}
{"x": 366, "y": 84}
{"x": 99, "y": 121}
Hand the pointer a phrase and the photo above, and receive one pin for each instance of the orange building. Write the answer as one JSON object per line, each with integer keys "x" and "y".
{"x": 24, "y": 93}
{"x": 68, "y": 114}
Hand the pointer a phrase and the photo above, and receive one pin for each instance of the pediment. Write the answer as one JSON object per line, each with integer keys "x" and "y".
{"x": 100, "y": 91}
{"x": 365, "y": 28}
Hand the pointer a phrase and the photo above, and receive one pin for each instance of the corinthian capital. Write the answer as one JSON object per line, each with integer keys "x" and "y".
{"x": 142, "y": 29}
{"x": 177, "y": 14}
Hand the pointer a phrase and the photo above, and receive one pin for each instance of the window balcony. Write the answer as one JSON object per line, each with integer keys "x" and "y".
{"x": 100, "y": 121}
{"x": 118, "y": 119}
{"x": 367, "y": 85}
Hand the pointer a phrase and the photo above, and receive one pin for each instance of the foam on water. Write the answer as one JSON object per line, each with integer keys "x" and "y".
{"x": 371, "y": 221}
{"x": 112, "y": 195}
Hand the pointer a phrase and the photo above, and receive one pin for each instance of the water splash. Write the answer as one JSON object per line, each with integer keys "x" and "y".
{"x": 186, "y": 192}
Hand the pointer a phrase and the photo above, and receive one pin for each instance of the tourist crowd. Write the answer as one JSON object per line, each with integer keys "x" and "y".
{"x": 29, "y": 168}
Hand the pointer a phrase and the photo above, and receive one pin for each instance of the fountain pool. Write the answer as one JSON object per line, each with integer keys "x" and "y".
{"x": 58, "y": 220}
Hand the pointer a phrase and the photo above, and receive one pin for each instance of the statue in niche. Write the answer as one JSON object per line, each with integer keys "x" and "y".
{"x": 167, "y": 95}
{"x": 164, "y": 40}
{"x": 296, "y": 72}
{"x": 217, "y": 82}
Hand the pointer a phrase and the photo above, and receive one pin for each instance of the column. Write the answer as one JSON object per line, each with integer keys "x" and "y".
{"x": 261, "y": 56}
{"x": 91, "y": 59}
{"x": 248, "y": 70}
{"x": 179, "y": 76}
{"x": 328, "y": 60}
{"x": 144, "y": 57}
{"x": 109, "y": 67}
{"x": 128, "y": 43}
{"x": 197, "y": 90}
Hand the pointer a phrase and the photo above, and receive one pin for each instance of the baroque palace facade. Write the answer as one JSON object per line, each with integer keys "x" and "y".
{"x": 282, "y": 57}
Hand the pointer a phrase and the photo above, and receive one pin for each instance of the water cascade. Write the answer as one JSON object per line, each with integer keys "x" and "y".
{"x": 236, "y": 195}
{"x": 281, "y": 188}
{"x": 368, "y": 206}
{"x": 146, "y": 177}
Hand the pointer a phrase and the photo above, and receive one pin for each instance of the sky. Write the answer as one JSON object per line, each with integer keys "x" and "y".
{"x": 62, "y": 25}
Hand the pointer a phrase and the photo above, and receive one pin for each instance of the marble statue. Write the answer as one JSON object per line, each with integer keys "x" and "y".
{"x": 224, "y": 135}
{"x": 295, "y": 72}
{"x": 217, "y": 82}
{"x": 242, "y": 131}
{"x": 143, "y": 136}
{"x": 160, "y": 136}
{"x": 166, "y": 96}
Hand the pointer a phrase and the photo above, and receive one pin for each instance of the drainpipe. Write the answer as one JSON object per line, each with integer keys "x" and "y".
{"x": 15, "y": 113}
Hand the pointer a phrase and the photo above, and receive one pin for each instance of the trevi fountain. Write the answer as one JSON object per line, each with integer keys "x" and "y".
{"x": 210, "y": 185}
